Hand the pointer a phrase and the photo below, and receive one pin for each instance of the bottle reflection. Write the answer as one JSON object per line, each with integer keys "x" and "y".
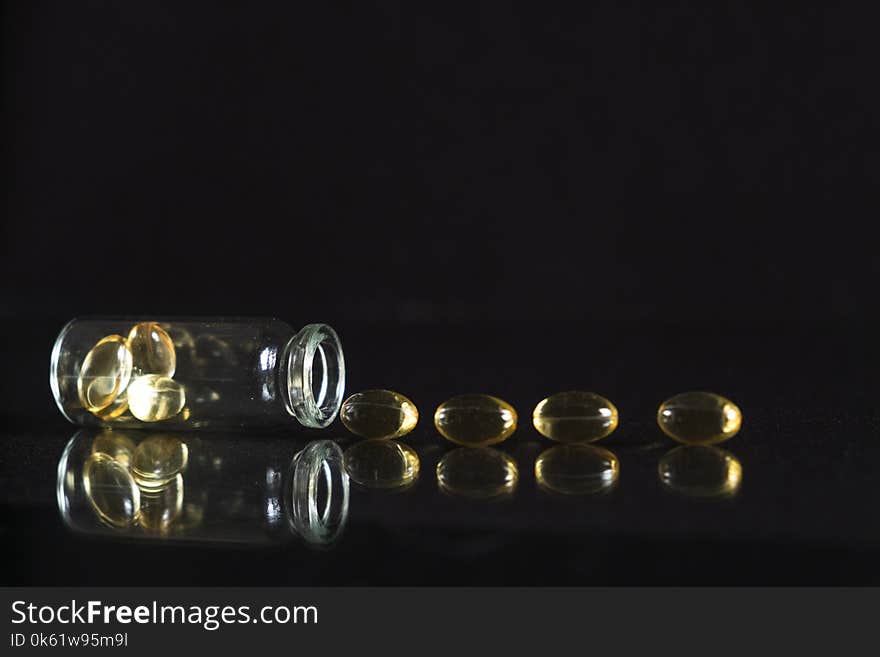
{"x": 577, "y": 469}
{"x": 477, "y": 473}
{"x": 700, "y": 471}
{"x": 152, "y": 485}
{"x": 383, "y": 464}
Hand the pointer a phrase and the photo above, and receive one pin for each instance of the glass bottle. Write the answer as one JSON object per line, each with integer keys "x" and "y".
{"x": 208, "y": 373}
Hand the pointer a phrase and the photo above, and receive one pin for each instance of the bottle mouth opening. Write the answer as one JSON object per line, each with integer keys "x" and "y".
{"x": 315, "y": 375}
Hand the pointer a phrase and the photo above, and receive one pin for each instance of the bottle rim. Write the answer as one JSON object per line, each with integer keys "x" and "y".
{"x": 315, "y": 375}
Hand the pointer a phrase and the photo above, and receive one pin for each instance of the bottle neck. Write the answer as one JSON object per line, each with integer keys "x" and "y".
{"x": 313, "y": 375}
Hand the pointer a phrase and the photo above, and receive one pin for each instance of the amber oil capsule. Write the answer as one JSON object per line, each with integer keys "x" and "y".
{"x": 699, "y": 418}
{"x": 475, "y": 420}
{"x": 152, "y": 398}
{"x": 105, "y": 373}
{"x": 379, "y": 414}
{"x": 152, "y": 350}
{"x": 116, "y": 408}
{"x": 575, "y": 417}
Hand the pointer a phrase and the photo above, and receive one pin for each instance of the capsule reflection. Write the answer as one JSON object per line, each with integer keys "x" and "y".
{"x": 161, "y": 506}
{"x": 382, "y": 464}
{"x": 577, "y": 469}
{"x": 114, "y": 444}
{"x": 111, "y": 491}
{"x": 477, "y": 473}
{"x": 700, "y": 471}
{"x": 183, "y": 488}
{"x": 157, "y": 460}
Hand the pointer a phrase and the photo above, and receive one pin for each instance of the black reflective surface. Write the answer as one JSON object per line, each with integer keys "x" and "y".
{"x": 804, "y": 511}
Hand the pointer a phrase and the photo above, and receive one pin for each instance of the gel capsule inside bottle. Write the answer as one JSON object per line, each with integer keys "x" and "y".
{"x": 223, "y": 373}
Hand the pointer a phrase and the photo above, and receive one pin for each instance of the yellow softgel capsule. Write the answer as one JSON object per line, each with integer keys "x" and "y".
{"x": 152, "y": 350}
{"x": 481, "y": 472}
{"x": 575, "y": 417}
{"x": 700, "y": 471}
{"x": 111, "y": 490}
{"x": 157, "y": 460}
{"x": 114, "y": 444}
{"x": 699, "y": 418}
{"x": 116, "y": 408}
{"x": 577, "y": 469}
{"x": 382, "y": 464}
{"x": 152, "y": 398}
{"x": 475, "y": 420}
{"x": 105, "y": 373}
{"x": 379, "y": 414}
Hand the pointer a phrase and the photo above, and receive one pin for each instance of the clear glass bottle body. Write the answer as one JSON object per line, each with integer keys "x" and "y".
{"x": 203, "y": 373}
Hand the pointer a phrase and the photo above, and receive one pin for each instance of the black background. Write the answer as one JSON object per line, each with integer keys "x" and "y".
{"x": 634, "y": 200}
{"x": 393, "y": 163}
